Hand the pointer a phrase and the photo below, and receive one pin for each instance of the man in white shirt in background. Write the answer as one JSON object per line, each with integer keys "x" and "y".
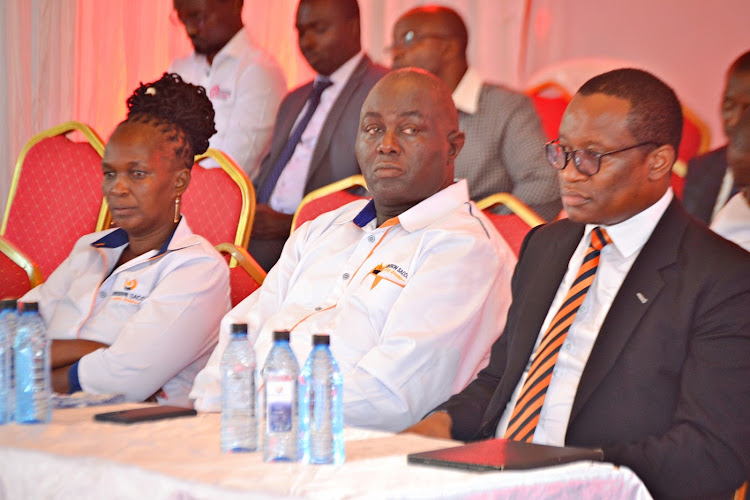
{"x": 244, "y": 83}
{"x": 315, "y": 130}
{"x": 412, "y": 286}
{"x": 733, "y": 220}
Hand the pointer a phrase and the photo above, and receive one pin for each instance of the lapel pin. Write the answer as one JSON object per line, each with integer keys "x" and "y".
{"x": 641, "y": 297}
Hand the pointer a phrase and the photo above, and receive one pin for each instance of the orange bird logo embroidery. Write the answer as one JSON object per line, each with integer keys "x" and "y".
{"x": 130, "y": 284}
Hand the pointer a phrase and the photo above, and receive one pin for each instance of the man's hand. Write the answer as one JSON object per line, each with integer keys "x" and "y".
{"x": 437, "y": 425}
{"x": 270, "y": 224}
{"x": 67, "y": 352}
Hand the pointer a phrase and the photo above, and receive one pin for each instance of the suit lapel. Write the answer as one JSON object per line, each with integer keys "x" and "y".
{"x": 532, "y": 296}
{"x": 643, "y": 282}
{"x": 334, "y": 115}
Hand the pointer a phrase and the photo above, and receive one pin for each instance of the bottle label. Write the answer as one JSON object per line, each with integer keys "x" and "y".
{"x": 279, "y": 399}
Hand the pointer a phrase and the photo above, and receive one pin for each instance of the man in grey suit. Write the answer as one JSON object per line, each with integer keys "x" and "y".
{"x": 639, "y": 346}
{"x": 504, "y": 138}
{"x": 316, "y": 126}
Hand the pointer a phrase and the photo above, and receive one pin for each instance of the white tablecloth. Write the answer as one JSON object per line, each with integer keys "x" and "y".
{"x": 76, "y": 457}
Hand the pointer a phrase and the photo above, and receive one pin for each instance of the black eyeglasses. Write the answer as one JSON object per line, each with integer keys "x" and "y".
{"x": 411, "y": 38}
{"x": 586, "y": 161}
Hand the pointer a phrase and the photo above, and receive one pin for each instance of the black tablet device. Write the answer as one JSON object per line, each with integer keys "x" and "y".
{"x": 145, "y": 414}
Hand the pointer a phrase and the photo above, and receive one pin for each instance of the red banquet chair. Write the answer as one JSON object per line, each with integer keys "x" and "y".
{"x": 550, "y": 100}
{"x": 18, "y": 274}
{"x": 244, "y": 278}
{"x": 328, "y": 198}
{"x": 55, "y": 195}
{"x": 513, "y": 227}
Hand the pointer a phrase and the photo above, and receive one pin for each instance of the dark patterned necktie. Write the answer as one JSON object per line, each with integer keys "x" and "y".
{"x": 265, "y": 191}
{"x": 525, "y": 416}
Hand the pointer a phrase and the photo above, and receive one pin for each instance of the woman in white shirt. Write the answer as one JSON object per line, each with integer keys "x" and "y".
{"x": 136, "y": 310}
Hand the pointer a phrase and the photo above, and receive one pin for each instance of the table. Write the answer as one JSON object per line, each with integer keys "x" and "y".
{"x": 76, "y": 457}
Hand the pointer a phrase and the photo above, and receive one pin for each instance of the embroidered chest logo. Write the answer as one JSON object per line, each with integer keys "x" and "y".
{"x": 390, "y": 272}
{"x": 217, "y": 92}
{"x": 127, "y": 294}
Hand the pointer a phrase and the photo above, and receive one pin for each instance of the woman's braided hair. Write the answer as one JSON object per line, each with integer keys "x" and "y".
{"x": 180, "y": 110}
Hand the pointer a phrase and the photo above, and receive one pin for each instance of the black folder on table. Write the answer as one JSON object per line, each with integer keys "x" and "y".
{"x": 499, "y": 454}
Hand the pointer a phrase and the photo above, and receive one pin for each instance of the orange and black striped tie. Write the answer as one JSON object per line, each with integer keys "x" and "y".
{"x": 525, "y": 416}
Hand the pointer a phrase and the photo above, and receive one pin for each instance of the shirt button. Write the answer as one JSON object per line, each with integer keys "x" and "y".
{"x": 318, "y": 308}
{"x": 102, "y": 295}
{"x": 568, "y": 347}
{"x": 346, "y": 276}
{"x": 371, "y": 238}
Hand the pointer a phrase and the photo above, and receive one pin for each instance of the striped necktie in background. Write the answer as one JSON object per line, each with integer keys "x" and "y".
{"x": 525, "y": 416}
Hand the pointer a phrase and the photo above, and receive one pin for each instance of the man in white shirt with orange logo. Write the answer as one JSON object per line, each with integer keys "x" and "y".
{"x": 412, "y": 286}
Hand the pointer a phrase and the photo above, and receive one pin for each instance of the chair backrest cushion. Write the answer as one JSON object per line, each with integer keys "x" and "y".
{"x": 511, "y": 227}
{"x": 318, "y": 206}
{"x": 57, "y": 200}
{"x": 212, "y": 204}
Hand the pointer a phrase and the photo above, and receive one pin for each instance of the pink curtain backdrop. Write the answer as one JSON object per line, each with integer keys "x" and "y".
{"x": 80, "y": 59}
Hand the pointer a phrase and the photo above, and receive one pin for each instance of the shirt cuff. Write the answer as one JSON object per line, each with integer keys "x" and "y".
{"x": 73, "y": 383}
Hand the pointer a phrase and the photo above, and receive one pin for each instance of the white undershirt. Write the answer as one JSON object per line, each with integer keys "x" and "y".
{"x": 290, "y": 188}
{"x": 628, "y": 238}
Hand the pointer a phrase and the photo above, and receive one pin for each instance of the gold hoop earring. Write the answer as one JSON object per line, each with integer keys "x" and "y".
{"x": 177, "y": 209}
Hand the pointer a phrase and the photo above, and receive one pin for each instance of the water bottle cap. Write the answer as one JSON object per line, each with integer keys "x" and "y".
{"x": 30, "y": 307}
{"x": 321, "y": 339}
{"x": 239, "y": 328}
{"x": 282, "y": 335}
{"x": 8, "y": 304}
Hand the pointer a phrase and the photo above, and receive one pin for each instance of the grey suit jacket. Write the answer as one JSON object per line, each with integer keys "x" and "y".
{"x": 666, "y": 389}
{"x": 333, "y": 158}
{"x": 504, "y": 151}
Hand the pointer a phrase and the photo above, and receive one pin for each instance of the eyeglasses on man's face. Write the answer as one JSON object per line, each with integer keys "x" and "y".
{"x": 586, "y": 161}
{"x": 412, "y": 38}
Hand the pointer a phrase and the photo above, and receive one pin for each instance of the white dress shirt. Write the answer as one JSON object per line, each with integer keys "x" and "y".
{"x": 615, "y": 261}
{"x": 245, "y": 86}
{"x": 290, "y": 188}
{"x": 412, "y": 308}
{"x": 468, "y": 90}
{"x": 159, "y": 313}
{"x": 733, "y": 221}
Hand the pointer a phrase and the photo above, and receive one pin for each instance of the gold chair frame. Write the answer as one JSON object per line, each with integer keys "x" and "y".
{"x": 64, "y": 128}
{"x": 244, "y": 259}
{"x": 515, "y": 205}
{"x": 13, "y": 253}
{"x": 342, "y": 185}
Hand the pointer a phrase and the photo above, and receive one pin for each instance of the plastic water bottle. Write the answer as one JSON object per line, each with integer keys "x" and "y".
{"x": 321, "y": 406}
{"x": 280, "y": 410}
{"x": 32, "y": 368}
{"x": 239, "y": 426}
{"x": 8, "y": 325}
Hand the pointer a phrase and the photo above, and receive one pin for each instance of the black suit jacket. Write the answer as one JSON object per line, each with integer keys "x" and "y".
{"x": 333, "y": 158}
{"x": 703, "y": 181}
{"x": 666, "y": 389}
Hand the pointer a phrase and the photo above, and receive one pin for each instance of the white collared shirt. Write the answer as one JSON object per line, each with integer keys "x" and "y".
{"x": 466, "y": 95}
{"x": 412, "y": 308}
{"x": 245, "y": 86}
{"x": 725, "y": 189}
{"x": 290, "y": 188}
{"x": 159, "y": 313}
{"x": 616, "y": 259}
{"x": 733, "y": 221}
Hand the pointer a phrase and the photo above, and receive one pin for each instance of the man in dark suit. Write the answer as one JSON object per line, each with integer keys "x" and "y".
{"x": 708, "y": 184}
{"x": 316, "y": 126}
{"x": 635, "y": 340}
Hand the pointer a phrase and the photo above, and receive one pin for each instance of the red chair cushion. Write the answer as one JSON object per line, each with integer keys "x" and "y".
{"x": 550, "y": 111}
{"x": 58, "y": 200}
{"x": 690, "y": 142}
{"x": 14, "y": 282}
{"x": 511, "y": 227}
{"x": 241, "y": 284}
{"x": 212, "y": 204}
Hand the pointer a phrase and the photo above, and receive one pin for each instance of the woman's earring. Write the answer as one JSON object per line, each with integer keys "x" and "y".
{"x": 177, "y": 209}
